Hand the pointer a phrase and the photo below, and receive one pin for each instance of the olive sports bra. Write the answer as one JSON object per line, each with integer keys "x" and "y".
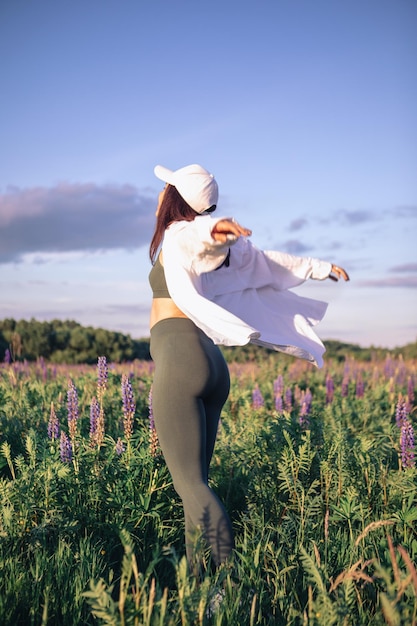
{"x": 157, "y": 277}
{"x": 157, "y": 280}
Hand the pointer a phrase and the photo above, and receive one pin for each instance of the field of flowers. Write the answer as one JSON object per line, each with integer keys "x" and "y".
{"x": 316, "y": 468}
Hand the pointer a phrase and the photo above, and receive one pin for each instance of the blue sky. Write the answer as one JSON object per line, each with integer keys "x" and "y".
{"x": 304, "y": 111}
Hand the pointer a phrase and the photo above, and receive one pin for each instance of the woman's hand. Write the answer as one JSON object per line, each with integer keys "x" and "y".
{"x": 224, "y": 228}
{"x": 338, "y": 272}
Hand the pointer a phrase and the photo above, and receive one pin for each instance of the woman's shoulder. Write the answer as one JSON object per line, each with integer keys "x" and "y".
{"x": 200, "y": 227}
{"x": 199, "y": 219}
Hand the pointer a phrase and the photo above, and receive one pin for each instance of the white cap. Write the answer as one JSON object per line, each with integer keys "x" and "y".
{"x": 194, "y": 184}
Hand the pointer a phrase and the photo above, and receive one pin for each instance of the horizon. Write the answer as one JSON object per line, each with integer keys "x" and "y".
{"x": 147, "y": 338}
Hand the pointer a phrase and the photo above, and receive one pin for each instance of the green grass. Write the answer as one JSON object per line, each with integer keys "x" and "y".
{"x": 324, "y": 514}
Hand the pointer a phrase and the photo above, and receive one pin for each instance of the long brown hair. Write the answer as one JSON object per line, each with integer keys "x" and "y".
{"x": 173, "y": 209}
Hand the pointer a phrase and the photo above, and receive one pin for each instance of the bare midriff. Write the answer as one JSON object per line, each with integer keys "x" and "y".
{"x": 162, "y": 309}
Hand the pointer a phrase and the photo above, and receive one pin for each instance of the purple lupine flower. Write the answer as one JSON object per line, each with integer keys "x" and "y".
{"x": 305, "y": 402}
{"x": 65, "y": 448}
{"x": 345, "y": 386}
{"x": 94, "y": 418}
{"x": 279, "y": 385}
{"x": 7, "y": 356}
{"x": 308, "y": 399}
{"x": 53, "y": 424}
{"x": 151, "y": 417}
{"x": 407, "y": 444}
{"x": 401, "y": 411}
{"x": 257, "y": 398}
{"x": 359, "y": 386}
{"x": 153, "y": 437}
{"x": 288, "y": 399}
{"x": 99, "y": 434}
{"x": 72, "y": 406}
{"x": 40, "y": 363}
{"x": 329, "y": 389}
{"x": 279, "y": 405}
{"x": 304, "y": 416}
{"x": 102, "y": 376}
{"x": 119, "y": 447}
{"x": 400, "y": 374}
{"x": 388, "y": 368}
{"x": 128, "y": 406}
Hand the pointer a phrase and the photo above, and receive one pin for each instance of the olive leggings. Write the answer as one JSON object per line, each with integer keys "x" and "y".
{"x": 191, "y": 383}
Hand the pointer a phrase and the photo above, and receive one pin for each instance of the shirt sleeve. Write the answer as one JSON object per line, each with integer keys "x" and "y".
{"x": 302, "y": 268}
{"x": 198, "y": 250}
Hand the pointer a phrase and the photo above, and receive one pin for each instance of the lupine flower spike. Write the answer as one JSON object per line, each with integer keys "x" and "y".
{"x": 407, "y": 444}
{"x": 72, "y": 406}
{"x": 65, "y": 448}
{"x": 53, "y": 424}
{"x": 279, "y": 406}
{"x": 388, "y": 368}
{"x": 153, "y": 437}
{"x": 305, "y": 402}
{"x": 279, "y": 385}
{"x": 305, "y": 409}
{"x": 345, "y": 385}
{"x": 102, "y": 377}
{"x": 304, "y": 418}
{"x": 128, "y": 407}
{"x": 119, "y": 447}
{"x": 278, "y": 391}
{"x": 257, "y": 398}
{"x": 329, "y": 389}
{"x": 288, "y": 399}
{"x": 359, "y": 386}
{"x": 401, "y": 411}
{"x": 94, "y": 419}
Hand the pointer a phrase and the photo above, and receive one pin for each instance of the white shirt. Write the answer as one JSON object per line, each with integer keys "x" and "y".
{"x": 249, "y": 301}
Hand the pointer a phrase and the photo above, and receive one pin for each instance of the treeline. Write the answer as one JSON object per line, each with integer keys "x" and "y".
{"x": 337, "y": 350}
{"x": 68, "y": 342}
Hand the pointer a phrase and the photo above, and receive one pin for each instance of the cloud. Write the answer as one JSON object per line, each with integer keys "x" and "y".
{"x": 405, "y": 212}
{"x": 346, "y": 217}
{"x": 360, "y": 216}
{"x": 293, "y": 246}
{"x": 364, "y": 216}
{"x": 73, "y": 217}
{"x": 298, "y": 224}
{"x": 406, "y": 267}
{"x": 408, "y": 282}
{"x": 333, "y": 245}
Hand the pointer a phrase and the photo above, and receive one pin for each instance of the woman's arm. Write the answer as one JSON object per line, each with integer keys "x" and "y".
{"x": 229, "y": 229}
{"x": 198, "y": 245}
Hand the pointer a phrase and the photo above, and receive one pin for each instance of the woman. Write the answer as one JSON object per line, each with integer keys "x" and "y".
{"x": 212, "y": 287}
